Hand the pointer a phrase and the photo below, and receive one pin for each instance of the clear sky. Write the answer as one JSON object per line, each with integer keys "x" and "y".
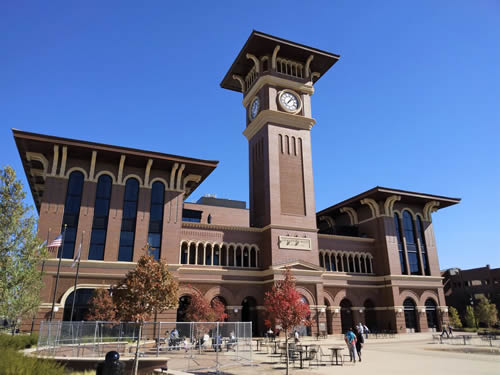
{"x": 413, "y": 103}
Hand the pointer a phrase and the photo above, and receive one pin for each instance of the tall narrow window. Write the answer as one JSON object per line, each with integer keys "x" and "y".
{"x": 100, "y": 221}
{"x": 127, "y": 235}
{"x": 411, "y": 244}
{"x": 332, "y": 257}
{"x": 216, "y": 255}
{"x": 327, "y": 262}
{"x": 423, "y": 246}
{"x": 401, "y": 249}
{"x": 156, "y": 219}
{"x": 321, "y": 260}
{"x": 71, "y": 213}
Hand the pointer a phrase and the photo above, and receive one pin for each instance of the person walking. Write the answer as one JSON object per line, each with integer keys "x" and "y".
{"x": 350, "y": 340}
{"x": 445, "y": 331}
{"x": 359, "y": 344}
{"x": 450, "y": 330}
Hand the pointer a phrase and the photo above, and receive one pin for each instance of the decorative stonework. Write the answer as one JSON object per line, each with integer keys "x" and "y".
{"x": 295, "y": 243}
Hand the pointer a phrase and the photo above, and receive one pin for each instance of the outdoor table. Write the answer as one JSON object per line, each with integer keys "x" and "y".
{"x": 335, "y": 350}
{"x": 276, "y": 343}
{"x": 259, "y": 343}
{"x": 301, "y": 352}
{"x": 306, "y": 347}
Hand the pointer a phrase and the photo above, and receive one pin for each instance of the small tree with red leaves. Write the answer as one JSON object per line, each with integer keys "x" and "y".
{"x": 201, "y": 310}
{"x": 285, "y": 306}
{"x": 145, "y": 291}
{"x": 101, "y": 307}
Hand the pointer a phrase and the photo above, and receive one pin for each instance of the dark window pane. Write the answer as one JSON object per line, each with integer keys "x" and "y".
{"x": 408, "y": 228}
{"x": 157, "y": 193}
{"x": 129, "y": 210}
{"x": 125, "y": 253}
{"x": 154, "y": 239}
{"x": 104, "y": 185}
{"x": 96, "y": 252}
{"x": 128, "y": 225}
{"x": 101, "y": 207}
{"x": 414, "y": 265}
{"x": 191, "y": 215}
{"x": 156, "y": 212}
{"x": 127, "y": 239}
{"x": 131, "y": 189}
{"x": 75, "y": 183}
{"x": 98, "y": 236}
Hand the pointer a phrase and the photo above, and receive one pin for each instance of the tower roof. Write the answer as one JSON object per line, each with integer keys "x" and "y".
{"x": 261, "y": 44}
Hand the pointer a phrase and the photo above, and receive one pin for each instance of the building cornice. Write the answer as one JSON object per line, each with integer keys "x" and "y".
{"x": 283, "y": 118}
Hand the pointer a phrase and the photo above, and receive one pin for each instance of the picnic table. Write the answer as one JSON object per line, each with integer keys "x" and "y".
{"x": 335, "y": 350}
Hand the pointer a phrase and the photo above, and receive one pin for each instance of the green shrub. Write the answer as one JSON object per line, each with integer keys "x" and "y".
{"x": 13, "y": 362}
{"x": 18, "y": 342}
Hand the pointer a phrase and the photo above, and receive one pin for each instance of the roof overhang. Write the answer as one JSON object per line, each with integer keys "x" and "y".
{"x": 379, "y": 193}
{"x": 37, "y": 150}
{"x": 260, "y": 44}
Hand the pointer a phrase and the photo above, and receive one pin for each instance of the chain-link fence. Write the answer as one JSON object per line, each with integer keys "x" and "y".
{"x": 188, "y": 346}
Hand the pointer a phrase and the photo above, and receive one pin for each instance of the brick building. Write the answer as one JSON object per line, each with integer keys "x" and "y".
{"x": 465, "y": 287}
{"x": 370, "y": 258}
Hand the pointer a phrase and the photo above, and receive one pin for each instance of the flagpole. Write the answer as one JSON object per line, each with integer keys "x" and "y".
{"x": 41, "y": 275}
{"x": 58, "y": 271}
{"x": 76, "y": 278}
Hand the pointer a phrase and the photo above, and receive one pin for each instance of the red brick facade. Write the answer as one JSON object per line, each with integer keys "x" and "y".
{"x": 236, "y": 253}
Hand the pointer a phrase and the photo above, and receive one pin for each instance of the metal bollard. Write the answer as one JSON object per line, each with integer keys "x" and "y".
{"x": 111, "y": 365}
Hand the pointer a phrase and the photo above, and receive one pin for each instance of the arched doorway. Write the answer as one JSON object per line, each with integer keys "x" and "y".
{"x": 346, "y": 315}
{"x": 304, "y": 330}
{"x": 83, "y": 297}
{"x": 431, "y": 312}
{"x": 329, "y": 324}
{"x": 183, "y": 329}
{"x": 249, "y": 313}
{"x": 370, "y": 315}
{"x": 410, "y": 310}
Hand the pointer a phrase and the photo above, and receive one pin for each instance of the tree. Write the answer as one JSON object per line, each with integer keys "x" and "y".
{"x": 145, "y": 291}
{"x": 284, "y": 305}
{"x": 454, "y": 318}
{"x": 469, "y": 317}
{"x": 20, "y": 252}
{"x": 486, "y": 312}
{"x": 201, "y": 310}
{"x": 101, "y": 307}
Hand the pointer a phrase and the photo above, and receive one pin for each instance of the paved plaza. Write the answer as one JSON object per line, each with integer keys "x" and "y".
{"x": 405, "y": 354}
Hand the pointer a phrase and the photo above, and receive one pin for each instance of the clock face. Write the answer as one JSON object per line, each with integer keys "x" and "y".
{"x": 254, "y": 108}
{"x": 289, "y": 101}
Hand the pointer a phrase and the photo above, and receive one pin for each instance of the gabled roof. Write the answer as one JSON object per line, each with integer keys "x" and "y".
{"x": 298, "y": 265}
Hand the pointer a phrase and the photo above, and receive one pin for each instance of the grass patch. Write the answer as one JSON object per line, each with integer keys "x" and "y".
{"x": 13, "y": 362}
{"x": 18, "y": 342}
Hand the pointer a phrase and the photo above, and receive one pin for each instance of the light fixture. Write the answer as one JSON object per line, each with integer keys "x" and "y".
{"x": 336, "y": 311}
{"x": 361, "y": 311}
{"x": 322, "y": 310}
{"x": 235, "y": 310}
{"x": 422, "y": 310}
{"x": 399, "y": 310}
{"x": 56, "y": 308}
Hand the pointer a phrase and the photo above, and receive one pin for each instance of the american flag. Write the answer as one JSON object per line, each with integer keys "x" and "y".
{"x": 55, "y": 244}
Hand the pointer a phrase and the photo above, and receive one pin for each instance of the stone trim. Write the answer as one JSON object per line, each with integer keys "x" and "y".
{"x": 345, "y": 238}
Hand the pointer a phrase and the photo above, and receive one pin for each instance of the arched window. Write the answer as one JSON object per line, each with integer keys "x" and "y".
{"x": 321, "y": 260}
{"x": 156, "y": 218}
{"x": 238, "y": 256}
{"x": 201, "y": 255}
{"x": 332, "y": 265}
{"x": 423, "y": 246}
{"x": 363, "y": 264}
{"x": 339, "y": 263}
{"x": 253, "y": 257}
{"x": 356, "y": 264}
{"x": 231, "y": 256}
{"x": 246, "y": 258}
{"x": 327, "y": 262}
{"x": 127, "y": 235}
{"x": 369, "y": 265}
{"x": 100, "y": 221}
{"x": 401, "y": 249}
{"x": 411, "y": 244}
{"x": 192, "y": 253}
{"x": 208, "y": 254}
{"x": 223, "y": 255}
{"x": 216, "y": 255}
{"x": 71, "y": 213}
{"x": 184, "y": 253}
{"x": 344, "y": 263}
{"x": 351, "y": 264}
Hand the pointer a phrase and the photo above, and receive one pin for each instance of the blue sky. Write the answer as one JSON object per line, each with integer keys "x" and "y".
{"x": 413, "y": 103}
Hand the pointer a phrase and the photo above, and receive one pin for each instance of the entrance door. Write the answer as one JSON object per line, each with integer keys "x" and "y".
{"x": 83, "y": 297}
{"x": 410, "y": 315}
{"x": 249, "y": 314}
{"x": 430, "y": 311}
{"x": 370, "y": 315}
{"x": 346, "y": 315}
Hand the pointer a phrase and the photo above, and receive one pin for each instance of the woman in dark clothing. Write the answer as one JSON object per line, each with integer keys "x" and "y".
{"x": 359, "y": 343}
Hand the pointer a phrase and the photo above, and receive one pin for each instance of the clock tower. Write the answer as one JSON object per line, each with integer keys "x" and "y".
{"x": 277, "y": 79}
